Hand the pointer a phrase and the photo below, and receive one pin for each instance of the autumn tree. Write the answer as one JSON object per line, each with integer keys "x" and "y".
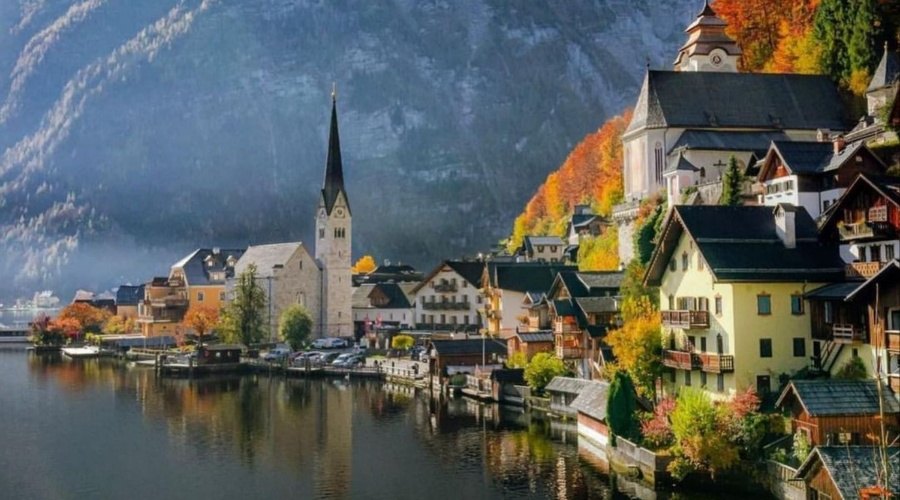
{"x": 90, "y": 319}
{"x": 638, "y": 345}
{"x": 541, "y": 370}
{"x": 600, "y": 253}
{"x": 732, "y": 183}
{"x": 243, "y": 319}
{"x": 517, "y": 359}
{"x": 202, "y": 319}
{"x": 295, "y": 325}
{"x": 118, "y": 325}
{"x": 402, "y": 342}
{"x": 365, "y": 265}
{"x": 701, "y": 442}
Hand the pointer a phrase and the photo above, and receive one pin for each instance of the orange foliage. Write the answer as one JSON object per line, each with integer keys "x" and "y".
{"x": 67, "y": 327}
{"x": 591, "y": 174}
{"x": 86, "y": 316}
{"x": 201, "y": 319}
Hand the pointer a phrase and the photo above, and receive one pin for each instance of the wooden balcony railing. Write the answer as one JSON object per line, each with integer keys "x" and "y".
{"x": 855, "y": 230}
{"x": 681, "y": 360}
{"x": 844, "y": 333}
{"x": 878, "y": 214}
{"x": 173, "y": 300}
{"x": 893, "y": 340}
{"x": 445, "y": 306}
{"x": 894, "y": 382}
{"x": 685, "y": 319}
{"x": 863, "y": 270}
{"x": 445, "y": 287}
{"x": 715, "y": 363}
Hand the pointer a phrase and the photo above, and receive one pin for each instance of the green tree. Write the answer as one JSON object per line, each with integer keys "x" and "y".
{"x": 517, "y": 360}
{"x": 645, "y": 235}
{"x": 638, "y": 345}
{"x": 402, "y": 342}
{"x": 541, "y": 370}
{"x": 295, "y": 325}
{"x": 621, "y": 408}
{"x": 731, "y": 184}
{"x": 243, "y": 319}
{"x": 854, "y": 369}
{"x": 847, "y": 32}
{"x": 701, "y": 440}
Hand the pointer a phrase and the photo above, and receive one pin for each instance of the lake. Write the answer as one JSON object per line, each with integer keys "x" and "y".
{"x": 99, "y": 429}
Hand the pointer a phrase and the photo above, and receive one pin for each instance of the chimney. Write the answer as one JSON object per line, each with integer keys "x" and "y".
{"x": 838, "y": 143}
{"x": 785, "y": 226}
{"x": 823, "y": 135}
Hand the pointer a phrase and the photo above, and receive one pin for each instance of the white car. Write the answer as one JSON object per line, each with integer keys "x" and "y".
{"x": 329, "y": 343}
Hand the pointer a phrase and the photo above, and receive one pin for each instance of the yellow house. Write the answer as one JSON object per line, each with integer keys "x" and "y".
{"x": 198, "y": 278}
{"x": 731, "y": 285}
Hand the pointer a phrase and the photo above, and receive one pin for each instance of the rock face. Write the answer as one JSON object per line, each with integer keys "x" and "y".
{"x": 133, "y": 132}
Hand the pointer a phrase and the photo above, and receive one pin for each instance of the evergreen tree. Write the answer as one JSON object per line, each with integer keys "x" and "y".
{"x": 244, "y": 318}
{"x": 731, "y": 184}
{"x": 645, "y": 236}
{"x": 621, "y": 408}
{"x": 847, "y": 32}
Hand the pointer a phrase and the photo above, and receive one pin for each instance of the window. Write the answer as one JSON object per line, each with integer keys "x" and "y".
{"x": 199, "y": 296}
{"x": 465, "y": 284}
{"x": 763, "y": 304}
{"x": 720, "y": 382}
{"x": 321, "y": 233}
{"x": 796, "y": 304}
{"x": 702, "y": 304}
{"x": 763, "y": 384}
{"x": 692, "y": 341}
{"x": 889, "y": 252}
{"x": 673, "y": 266}
{"x": 672, "y": 376}
{"x": 466, "y": 319}
{"x": 718, "y": 305}
{"x": 829, "y": 313}
{"x": 671, "y": 303}
{"x": 301, "y": 264}
{"x": 700, "y": 264}
{"x": 540, "y": 248}
{"x": 799, "y": 347}
{"x": 702, "y": 344}
{"x": 765, "y": 348}
{"x": 684, "y": 261}
{"x": 875, "y": 253}
{"x": 658, "y": 160}
{"x": 687, "y": 377}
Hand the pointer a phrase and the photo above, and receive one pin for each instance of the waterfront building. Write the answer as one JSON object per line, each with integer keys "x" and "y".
{"x": 731, "y": 284}
{"x": 505, "y": 286}
{"x": 382, "y": 307}
{"x": 448, "y": 299}
{"x": 849, "y": 472}
{"x": 687, "y": 123}
{"x": 448, "y": 357}
{"x": 530, "y": 343}
{"x": 127, "y": 299}
{"x": 288, "y": 275}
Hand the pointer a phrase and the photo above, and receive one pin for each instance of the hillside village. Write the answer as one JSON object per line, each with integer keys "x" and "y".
{"x": 767, "y": 229}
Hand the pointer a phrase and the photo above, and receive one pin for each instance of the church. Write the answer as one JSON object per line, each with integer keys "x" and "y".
{"x": 319, "y": 281}
{"x": 689, "y": 121}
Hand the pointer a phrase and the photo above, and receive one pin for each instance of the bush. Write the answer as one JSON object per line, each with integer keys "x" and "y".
{"x": 541, "y": 370}
{"x": 854, "y": 369}
{"x": 802, "y": 446}
{"x": 402, "y": 342}
{"x": 458, "y": 380}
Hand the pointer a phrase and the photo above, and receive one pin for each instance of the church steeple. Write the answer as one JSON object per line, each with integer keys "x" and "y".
{"x": 334, "y": 170}
{"x": 708, "y": 47}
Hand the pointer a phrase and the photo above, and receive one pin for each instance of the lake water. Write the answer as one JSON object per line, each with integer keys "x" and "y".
{"x": 98, "y": 429}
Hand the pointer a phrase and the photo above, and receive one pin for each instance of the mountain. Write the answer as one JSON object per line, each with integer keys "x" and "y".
{"x": 133, "y": 132}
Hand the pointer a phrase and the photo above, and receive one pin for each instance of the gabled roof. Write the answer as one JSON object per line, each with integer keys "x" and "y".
{"x": 128, "y": 295}
{"x": 470, "y": 271}
{"x": 595, "y": 305}
{"x": 396, "y": 298}
{"x": 888, "y": 187}
{"x": 563, "y": 307}
{"x": 198, "y": 265}
{"x": 568, "y": 385}
{"x": 813, "y": 158}
{"x": 591, "y": 400}
{"x": 469, "y": 346}
{"x": 887, "y": 73}
{"x": 267, "y": 258}
{"x": 835, "y": 397}
{"x": 717, "y": 140}
{"x": 530, "y": 337}
{"x": 524, "y": 276}
{"x": 529, "y": 242}
{"x": 682, "y": 165}
{"x": 582, "y": 220}
{"x": 740, "y": 244}
{"x": 889, "y": 274}
{"x": 833, "y": 291}
{"x": 850, "y": 467}
{"x": 702, "y": 99}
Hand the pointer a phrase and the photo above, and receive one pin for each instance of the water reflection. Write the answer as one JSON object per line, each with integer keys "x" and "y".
{"x": 320, "y": 438}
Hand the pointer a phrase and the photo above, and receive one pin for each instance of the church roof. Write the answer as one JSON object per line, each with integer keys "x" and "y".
{"x": 334, "y": 170}
{"x": 266, "y": 258}
{"x": 888, "y": 71}
{"x": 715, "y": 100}
{"x": 682, "y": 165}
{"x": 716, "y": 140}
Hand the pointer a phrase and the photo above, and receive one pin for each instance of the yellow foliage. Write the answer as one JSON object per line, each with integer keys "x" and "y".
{"x": 600, "y": 253}
{"x": 637, "y": 345}
{"x": 859, "y": 81}
{"x": 365, "y": 265}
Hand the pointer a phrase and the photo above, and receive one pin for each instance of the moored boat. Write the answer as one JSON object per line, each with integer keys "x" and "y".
{"x": 88, "y": 351}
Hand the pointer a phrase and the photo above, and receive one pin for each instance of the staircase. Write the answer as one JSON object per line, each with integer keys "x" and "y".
{"x": 829, "y": 354}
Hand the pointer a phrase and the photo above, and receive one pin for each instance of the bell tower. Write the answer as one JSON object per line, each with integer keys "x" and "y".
{"x": 333, "y": 240}
{"x": 708, "y": 47}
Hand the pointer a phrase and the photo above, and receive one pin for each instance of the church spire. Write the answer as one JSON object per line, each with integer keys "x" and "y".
{"x": 334, "y": 170}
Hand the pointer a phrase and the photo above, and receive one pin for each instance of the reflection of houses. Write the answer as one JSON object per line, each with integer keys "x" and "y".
{"x": 731, "y": 294}
{"x": 542, "y": 249}
{"x": 562, "y": 391}
{"x": 448, "y": 299}
{"x": 530, "y": 343}
{"x": 813, "y": 175}
{"x": 382, "y": 306}
{"x": 839, "y": 412}
{"x": 288, "y": 275}
{"x": 850, "y": 472}
{"x": 583, "y": 307}
{"x": 198, "y": 278}
{"x": 127, "y": 299}
{"x": 505, "y": 286}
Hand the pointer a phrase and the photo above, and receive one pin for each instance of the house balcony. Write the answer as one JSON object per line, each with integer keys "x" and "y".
{"x": 680, "y": 360}
{"x": 893, "y": 380}
{"x": 445, "y": 287}
{"x": 845, "y": 333}
{"x": 566, "y": 329}
{"x": 864, "y": 270}
{"x": 893, "y": 340}
{"x": 863, "y": 229}
{"x": 685, "y": 319}
{"x": 445, "y": 306}
{"x": 563, "y": 352}
{"x": 715, "y": 363}
{"x": 171, "y": 300}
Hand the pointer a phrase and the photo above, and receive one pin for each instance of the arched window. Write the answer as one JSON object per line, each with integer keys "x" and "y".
{"x": 658, "y": 159}
{"x": 684, "y": 261}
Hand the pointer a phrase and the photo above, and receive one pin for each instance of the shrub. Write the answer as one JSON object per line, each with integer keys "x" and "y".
{"x": 541, "y": 370}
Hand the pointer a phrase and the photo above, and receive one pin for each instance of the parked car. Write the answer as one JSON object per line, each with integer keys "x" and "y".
{"x": 301, "y": 359}
{"x": 351, "y": 361}
{"x": 329, "y": 343}
{"x": 277, "y": 354}
{"x": 339, "y": 361}
{"x": 326, "y": 357}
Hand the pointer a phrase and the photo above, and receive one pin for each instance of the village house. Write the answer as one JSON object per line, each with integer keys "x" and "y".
{"x": 850, "y": 473}
{"x": 583, "y": 223}
{"x": 505, "y": 286}
{"x": 590, "y": 406}
{"x": 840, "y": 412}
{"x": 449, "y": 357}
{"x": 562, "y": 391}
{"x": 690, "y": 121}
{"x": 199, "y": 278}
{"x": 288, "y": 275}
{"x": 382, "y": 308}
{"x": 731, "y": 294}
{"x": 448, "y": 299}
{"x": 541, "y": 249}
{"x": 530, "y": 343}
{"x": 814, "y": 174}
{"x": 127, "y": 299}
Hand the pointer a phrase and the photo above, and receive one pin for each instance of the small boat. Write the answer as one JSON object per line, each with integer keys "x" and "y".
{"x": 88, "y": 351}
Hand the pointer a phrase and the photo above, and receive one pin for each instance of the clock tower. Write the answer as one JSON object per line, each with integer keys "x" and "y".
{"x": 333, "y": 239}
{"x": 708, "y": 47}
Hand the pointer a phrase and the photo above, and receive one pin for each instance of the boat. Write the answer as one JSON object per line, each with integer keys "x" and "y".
{"x": 88, "y": 351}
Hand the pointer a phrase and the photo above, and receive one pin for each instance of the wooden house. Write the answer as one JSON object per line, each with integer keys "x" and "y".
{"x": 562, "y": 391}
{"x": 849, "y": 472}
{"x": 530, "y": 343}
{"x": 839, "y": 412}
{"x": 462, "y": 356}
{"x": 590, "y": 405}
